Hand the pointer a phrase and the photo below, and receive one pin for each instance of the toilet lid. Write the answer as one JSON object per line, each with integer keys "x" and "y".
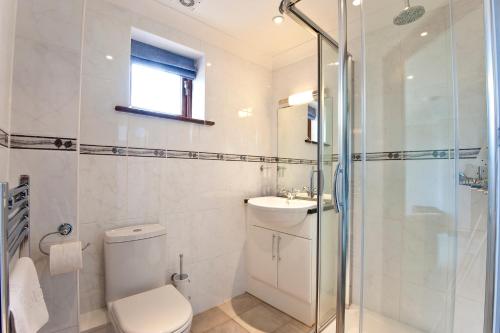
{"x": 161, "y": 310}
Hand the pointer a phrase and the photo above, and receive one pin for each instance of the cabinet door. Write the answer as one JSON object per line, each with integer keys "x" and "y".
{"x": 262, "y": 259}
{"x": 295, "y": 266}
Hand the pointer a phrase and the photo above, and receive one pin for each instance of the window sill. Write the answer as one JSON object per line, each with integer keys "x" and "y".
{"x": 315, "y": 142}
{"x": 163, "y": 115}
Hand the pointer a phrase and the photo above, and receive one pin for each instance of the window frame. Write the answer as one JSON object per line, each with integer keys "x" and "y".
{"x": 187, "y": 98}
{"x": 186, "y": 89}
{"x": 179, "y": 65}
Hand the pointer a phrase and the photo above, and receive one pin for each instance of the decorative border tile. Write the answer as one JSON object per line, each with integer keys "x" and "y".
{"x": 147, "y": 152}
{"x": 435, "y": 154}
{"x": 4, "y": 139}
{"x": 42, "y": 142}
{"x": 210, "y": 156}
{"x": 257, "y": 159}
{"x": 468, "y": 153}
{"x": 183, "y": 154}
{"x": 18, "y": 141}
{"x": 103, "y": 150}
{"x": 441, "y": 154}
{"x": 233, "y": 157}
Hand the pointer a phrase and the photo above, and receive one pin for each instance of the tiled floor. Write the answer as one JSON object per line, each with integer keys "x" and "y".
{"x": 244, "y": 314}
{"x": 372, "y": 323}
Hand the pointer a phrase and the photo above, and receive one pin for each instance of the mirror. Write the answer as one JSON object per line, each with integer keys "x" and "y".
{"x": 297, "y": 147}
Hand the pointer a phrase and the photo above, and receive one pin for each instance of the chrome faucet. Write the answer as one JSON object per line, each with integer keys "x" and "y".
{"x": 312, "y": 191}
{"x": 289, "y": 194}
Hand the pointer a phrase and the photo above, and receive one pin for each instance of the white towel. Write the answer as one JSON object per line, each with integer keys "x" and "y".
{"x": 26, "y": 298}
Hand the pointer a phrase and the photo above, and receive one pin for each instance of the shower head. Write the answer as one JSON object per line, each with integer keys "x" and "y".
{"x": 409, "y": 14}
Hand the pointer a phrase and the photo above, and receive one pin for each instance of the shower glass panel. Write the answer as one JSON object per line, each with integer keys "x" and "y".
{"x": 329, "y": 219}
{"x": 424, "y": 211}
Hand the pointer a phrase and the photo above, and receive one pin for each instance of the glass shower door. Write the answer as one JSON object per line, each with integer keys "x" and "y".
{"x": 328, "y": 157}
{"x": 424, "y": 213}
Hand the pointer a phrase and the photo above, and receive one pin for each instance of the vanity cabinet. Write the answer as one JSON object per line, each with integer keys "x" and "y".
{"x": 262, "y": 261}
{"x": 282, "y": 261}
{"x": 295, "y": 266}
{"x": 281, "y": 265}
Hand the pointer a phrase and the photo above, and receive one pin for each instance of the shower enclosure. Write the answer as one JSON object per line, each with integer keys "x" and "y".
{"x": 402, "y": 93}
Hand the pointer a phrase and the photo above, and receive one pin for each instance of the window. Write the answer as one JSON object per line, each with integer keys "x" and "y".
{"x": 161, "y": 81}
{"x": 155, "y": 89}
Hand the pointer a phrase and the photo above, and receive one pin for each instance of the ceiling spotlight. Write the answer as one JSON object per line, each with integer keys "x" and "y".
{"x": 410, "y": 77}
{"x": 109, "y": 57}
{"x": 187, "y": 3}
{"x": 356, "y": 2}
{"x": 278, "y": 19}
{"x": 209, "y": 64}
{"x": 423, "y": 34}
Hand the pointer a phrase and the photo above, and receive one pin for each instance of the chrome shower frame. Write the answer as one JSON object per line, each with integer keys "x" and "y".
{"x": 492, "y": 42}
{"x": 345, "y": 103}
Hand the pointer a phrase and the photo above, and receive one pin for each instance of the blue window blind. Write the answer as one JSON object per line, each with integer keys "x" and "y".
{"x": 171, "y": 62}
{"x": 311, "y": 112}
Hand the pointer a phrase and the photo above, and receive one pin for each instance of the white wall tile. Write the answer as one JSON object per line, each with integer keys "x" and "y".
{"x": 7, "y": 26}
{"x": 53, "y": 192}
{"x": 46, "y": 78}
{"x": 46, "y": 88}
{"x": 103, "y": 189}
{"x": 4, "y": 164}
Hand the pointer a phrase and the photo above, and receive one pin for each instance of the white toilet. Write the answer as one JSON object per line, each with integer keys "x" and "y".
{"x": 135, "y": 275}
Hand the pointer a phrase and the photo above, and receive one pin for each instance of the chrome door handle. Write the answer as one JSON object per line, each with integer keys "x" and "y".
{"x": 279, "y": 242}
{"x": 272, "y": 249}
{"x": 335, "y": 192}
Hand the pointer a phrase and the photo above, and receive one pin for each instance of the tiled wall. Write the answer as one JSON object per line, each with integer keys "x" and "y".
{"x": 191, "y": 194}
{"x": 45, "y": 102}
{"x": 7, "y": 26}
{"x": 198, "y": 197}
{"x": 98, "y": 169}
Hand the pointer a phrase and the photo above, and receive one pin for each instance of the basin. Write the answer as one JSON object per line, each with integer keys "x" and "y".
{"x": 280, "y": 211}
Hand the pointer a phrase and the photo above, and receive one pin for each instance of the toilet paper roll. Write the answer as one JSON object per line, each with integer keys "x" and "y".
{"x": 182, "y": 284}
{"x": 65, "y": 258}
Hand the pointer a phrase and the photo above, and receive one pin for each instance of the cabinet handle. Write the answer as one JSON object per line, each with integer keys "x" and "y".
{"x": 279, "y": 241}
{"x": 272, "y": 249}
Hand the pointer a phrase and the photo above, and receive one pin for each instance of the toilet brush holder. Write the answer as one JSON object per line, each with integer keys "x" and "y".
{"x": 181, "y": 280}
{"x": 182, "y": 285}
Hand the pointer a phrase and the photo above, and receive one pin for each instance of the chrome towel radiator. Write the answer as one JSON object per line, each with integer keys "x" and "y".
{"x": 14, "y": 232}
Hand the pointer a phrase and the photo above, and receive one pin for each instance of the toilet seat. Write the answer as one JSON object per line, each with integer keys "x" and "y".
{"x": 160, "y": 310}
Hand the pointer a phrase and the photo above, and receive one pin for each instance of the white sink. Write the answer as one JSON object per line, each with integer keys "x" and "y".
{"x": 280, "y": 211}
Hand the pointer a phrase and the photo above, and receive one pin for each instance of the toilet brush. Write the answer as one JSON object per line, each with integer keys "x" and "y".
{"x": 181, "y": 280}
{"x": 181, "y": 264}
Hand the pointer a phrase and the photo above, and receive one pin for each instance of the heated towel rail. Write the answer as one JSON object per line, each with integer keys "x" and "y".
{"x": 14, "y": 232}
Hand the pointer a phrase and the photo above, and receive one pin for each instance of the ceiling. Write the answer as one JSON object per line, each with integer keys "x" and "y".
{"x": 251, "y": 22}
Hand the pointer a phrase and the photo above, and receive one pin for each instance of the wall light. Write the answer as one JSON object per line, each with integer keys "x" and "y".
{"x": 245, "y": 113}
{"x": 356, "y": 2}
{"x": 278, "y": 19}
{"x": 301, "y": 98}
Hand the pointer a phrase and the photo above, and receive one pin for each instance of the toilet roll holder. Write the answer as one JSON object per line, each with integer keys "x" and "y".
{"x": 64, "y": 229}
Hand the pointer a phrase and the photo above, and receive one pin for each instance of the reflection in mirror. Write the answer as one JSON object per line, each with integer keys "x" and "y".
{"x": 297, "y": 148}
